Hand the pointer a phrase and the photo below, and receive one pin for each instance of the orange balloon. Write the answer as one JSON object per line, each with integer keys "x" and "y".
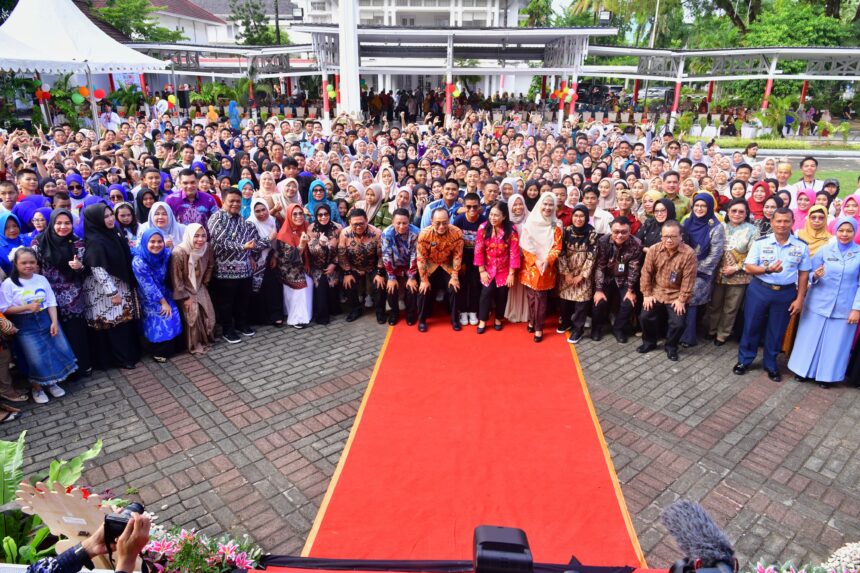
{"x": 84, "y": 91}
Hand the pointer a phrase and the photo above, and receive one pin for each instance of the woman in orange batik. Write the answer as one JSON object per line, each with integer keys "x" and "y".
{"x": 541, "y": 245}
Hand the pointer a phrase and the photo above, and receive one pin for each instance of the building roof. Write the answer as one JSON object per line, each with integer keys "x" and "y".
{"x": 181, "y": 8}
{"x": 285, "y": 7}
{"x": 109, "y": 29}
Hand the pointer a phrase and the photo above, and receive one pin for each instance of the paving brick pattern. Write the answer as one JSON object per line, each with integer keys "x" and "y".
{"x": 246, "y": 438}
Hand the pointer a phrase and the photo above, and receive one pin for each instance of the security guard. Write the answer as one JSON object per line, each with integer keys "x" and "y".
{"x": 780, "y": 265}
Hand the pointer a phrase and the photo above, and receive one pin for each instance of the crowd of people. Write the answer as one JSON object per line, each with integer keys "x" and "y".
{"x": 165, "y": 233}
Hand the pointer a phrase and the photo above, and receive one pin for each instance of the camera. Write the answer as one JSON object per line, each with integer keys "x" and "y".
{"x": 116, "y": 522}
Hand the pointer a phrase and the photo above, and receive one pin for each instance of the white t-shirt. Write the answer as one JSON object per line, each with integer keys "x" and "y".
{"x": 36, "y": 288}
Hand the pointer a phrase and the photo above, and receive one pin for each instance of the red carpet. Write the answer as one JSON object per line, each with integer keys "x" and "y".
{"x": 473, "y": 430}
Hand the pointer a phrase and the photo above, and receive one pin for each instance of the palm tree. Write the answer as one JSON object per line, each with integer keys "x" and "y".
{"x": 209, "y": 93}
{"x": 128, "y": 97}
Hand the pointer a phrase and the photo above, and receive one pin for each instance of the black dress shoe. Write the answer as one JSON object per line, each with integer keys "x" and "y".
{"x": 672, "y": 354}
{"x": 392, "y": 320}
{"x": 620, "y": 337}
{"x": 481, "y": 329}
{"x": 538, "y": 337}
{"x": 823, "y": 385}
{"x": 740, "y": 369}
{"x": 456, "y": 326}
{"x": 646, "y": 347}
{"x": 596, "y": 335}
{"x": 410, "y": 322}
{"x": 497, "y": 326}
{"x": 353, "y": 316}
{"x": 380, "y": 319}
{"x": 799, "y": 378}
{"x": 718, "y": 342}
{"x": 774, "y": 375}
{"x": 530, "y": 329}
{"x": 422, "y": 327}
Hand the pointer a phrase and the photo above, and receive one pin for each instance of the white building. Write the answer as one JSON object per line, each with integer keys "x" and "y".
{"x": 221, "y": 9}
{"x": 423, "y": 14}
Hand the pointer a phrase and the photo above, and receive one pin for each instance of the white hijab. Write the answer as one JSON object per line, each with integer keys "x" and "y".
{"x": 539, "y": 231}
{"x": 264, "y": 228}
{"x": 194, "y": 255}
{"x": 518, "y": 221}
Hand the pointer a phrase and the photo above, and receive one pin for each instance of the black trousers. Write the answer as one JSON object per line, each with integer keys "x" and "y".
{"x": 326, "y": 301}
{"x": 573, "y": 314}
{"x": 469, "y": 295}
{"x": 267, "y": 305}
{"x": 233, "y": 298}
{"x": 652, "y": 321}
{"x": 492, "y": 295}
{"x": 164, "y": 349}
{"x": 614, "y": 301}
{"x": 409, "y": 297}
{"x": 75, "y": 329}
{"x": 363, "y": 285}
{"x": 439, "y": 279}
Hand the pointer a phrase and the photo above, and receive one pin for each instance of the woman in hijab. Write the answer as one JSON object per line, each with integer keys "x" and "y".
{"x": 39, "y": 222}
{"x": 650, "y": 231}
{"x": 293, "y": 268}
{"x": 161, "y": 217}
{"x": 760, "y": 193}
{"x": 508, "y": 188}
{"x": 541, "y": 245}
{"x": 707, "y": 236}
{"x": 768, "y": 209}
{"x": 246, "y": 186}
{"x": 161, "y": 323}
{"x": 576, "y": 279}
{"x": 805, "y": 200}
{"x": 111, "y": 302}
{"x": 117, "y": 194}
{"x": 387, "y": 180}
{"x": 288, "y": 194}
{"x": 606, "y": 195}
{"x": 144, "y": 201}
{"x": 317, "y": 197}
{"x": 646, "y": 210}
{"x": 191, "y": 267}
{"x": 371, "y": 201}
{"x": 830, "y": 311}
{"x": 731, "y": 281}
{"x": 850, "y": 208}
{"x": 267, "y": 301}
{"x": 226, "y": 167}
{"x": 77, "y": 193}
{"x": 814, "y": 231}
{"x": 10, "y": 240}
{"x": 236, "y": 171}
{"x": 402, "y": 200}
{"x": 517, "y": 308}
{"x": 26, "y": 208}
{"x": 531, "y": 195}
{"x": 39, "y": 340}
{"x": 323, "y": 269}
{"x": 60, "y": 254}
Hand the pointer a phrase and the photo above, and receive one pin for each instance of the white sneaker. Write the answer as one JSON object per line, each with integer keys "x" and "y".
{"x": 464, "y": 318}
{"x": 55, "y": 391}
{"x": 39, "y": 396}
{"x": 473, "y": 318}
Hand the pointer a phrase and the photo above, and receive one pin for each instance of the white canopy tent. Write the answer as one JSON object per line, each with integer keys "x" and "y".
{"x": 73, "y": 45}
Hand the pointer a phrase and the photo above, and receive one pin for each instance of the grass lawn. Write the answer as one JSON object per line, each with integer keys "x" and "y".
{"x": 847, "y": 179}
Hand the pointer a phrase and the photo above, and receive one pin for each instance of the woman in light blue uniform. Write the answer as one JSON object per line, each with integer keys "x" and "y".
{"x": 831, "y": 310}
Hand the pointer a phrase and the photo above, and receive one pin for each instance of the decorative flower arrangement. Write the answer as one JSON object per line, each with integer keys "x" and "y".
{"x": 183, "y": 551}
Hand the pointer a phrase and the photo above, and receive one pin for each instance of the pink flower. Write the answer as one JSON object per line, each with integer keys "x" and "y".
{"x": 242, "y": 561}
{"x": 163, "y": 546}
{"x": 228, "y": 550}
{"x": 186, "y": 535}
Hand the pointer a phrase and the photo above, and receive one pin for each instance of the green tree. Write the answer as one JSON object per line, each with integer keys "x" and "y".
{"x": 250, "y": 16}
{"x": 136, "y": 19}
{"x": 538, "y": 13}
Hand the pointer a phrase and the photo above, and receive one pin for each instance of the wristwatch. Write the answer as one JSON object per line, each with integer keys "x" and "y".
{"x": 84, "y": 557}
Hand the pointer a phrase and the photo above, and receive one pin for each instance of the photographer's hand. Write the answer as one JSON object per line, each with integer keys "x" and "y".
{"x": 134, "y": 538}
{"x": 94, "y": 545}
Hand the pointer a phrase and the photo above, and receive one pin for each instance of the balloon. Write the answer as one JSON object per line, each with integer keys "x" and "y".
{"x": 170, "y": 105}
{"x": 456, "y": 93}
{"x": 39, "y": 93}
{"x": 46, "y": 88}
{"x": 78, "y": 98}
{"x": 171, "y": 99}
{"x": 99, "y": 93}
{"x": 85, "y": 92}
{"x": 37, "y": 83}
{"x": 46, "y": 96}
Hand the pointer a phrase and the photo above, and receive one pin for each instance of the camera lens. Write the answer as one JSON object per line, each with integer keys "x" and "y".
{"x": 134, "y": 507}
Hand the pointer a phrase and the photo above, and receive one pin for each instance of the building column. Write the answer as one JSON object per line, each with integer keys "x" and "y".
{"x": 350, "y": 97}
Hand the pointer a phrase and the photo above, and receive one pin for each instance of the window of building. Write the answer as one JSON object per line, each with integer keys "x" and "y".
{"x": 407, "y": 22}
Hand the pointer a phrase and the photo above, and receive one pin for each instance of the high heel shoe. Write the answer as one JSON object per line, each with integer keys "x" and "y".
{"x": 530, "y": 329}
{"x": 497, "y": 325}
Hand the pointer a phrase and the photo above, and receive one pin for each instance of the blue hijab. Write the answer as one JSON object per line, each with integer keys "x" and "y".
{"x": 120, "y": 188}
{"x": 27, "y": 207}
{"x": 246, "y": 203}
{"x": 313, "y": 203}
{"x": 233, "y": 114}
{"x": 7, "y": 245}
{"x": 226, "y": 171}
{"x": 698, "y": 229}
{"x": 158, "y": 263}
{"x": 75, "y": 178}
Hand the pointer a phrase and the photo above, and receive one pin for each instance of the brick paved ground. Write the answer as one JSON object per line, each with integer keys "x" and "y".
{"x": 246, "y": 438}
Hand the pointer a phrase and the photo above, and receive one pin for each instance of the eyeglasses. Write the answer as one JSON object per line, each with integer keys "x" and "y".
{"x": 661, "y": 210}
{"x": 75, "y": 187}
{"x": 472, "y": 207}
{"x": 322, "y": 215}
